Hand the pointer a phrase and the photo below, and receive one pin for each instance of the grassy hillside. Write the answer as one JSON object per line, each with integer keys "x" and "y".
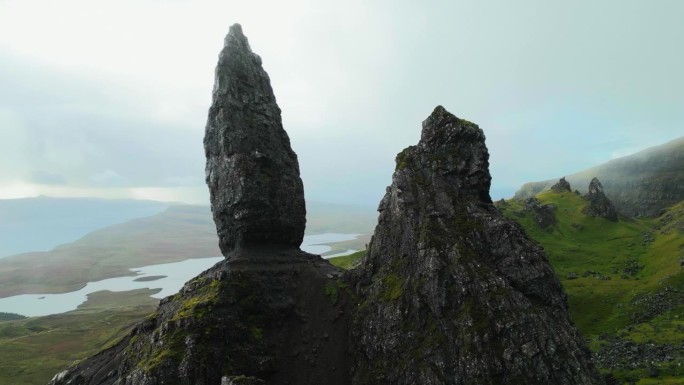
{"x": 625, "y": 283}
{"x": 41, "y": 223}
{"x": 640, "y": 184}
{"x": 179, "y": 233}
{"x": 32, "y": 350}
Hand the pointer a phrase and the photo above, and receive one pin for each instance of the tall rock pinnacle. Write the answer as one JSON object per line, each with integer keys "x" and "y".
{"x": 257, "y": 196}
{"x": 599, "y": 204}
{"x": 452, "y": 292}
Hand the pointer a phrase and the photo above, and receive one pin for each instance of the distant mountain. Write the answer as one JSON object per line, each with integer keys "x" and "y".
{"x": 41, "y": 223}
{"x": 178, "y": 233}
{"x": 175, "y": 234}
{"x": 640, "y": 184}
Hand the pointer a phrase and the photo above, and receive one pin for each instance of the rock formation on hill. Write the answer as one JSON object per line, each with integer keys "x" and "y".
{"x": 544, "y": 216}
{"x": 641, "y": 184}
{"x": 561, "y": 186}
{"x": 269, "y": 313}
{"x": 257, "y": 196}
{"x": 449, "y": 293}
{"x": 599, "y": 204}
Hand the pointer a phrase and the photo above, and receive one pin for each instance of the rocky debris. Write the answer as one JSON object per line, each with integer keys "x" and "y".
{"x": 599, "y": 204}
{"x": 596, "y": 275}
{"x": 450, "y": 292}
{"x": 650, "y": 305}
{"x": 620, "y": 353}
{"x": 257, "y": 196}
{"x": 241, "y": 380}
{"x": 561, "y": 186}
{"x": 544, "y": 215}
{"x": 632, "y": 267}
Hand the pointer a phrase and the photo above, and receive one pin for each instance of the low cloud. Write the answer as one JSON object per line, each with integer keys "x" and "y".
{"x": 46, "y": 177}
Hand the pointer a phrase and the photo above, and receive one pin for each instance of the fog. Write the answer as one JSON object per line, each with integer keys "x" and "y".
{"x": 109, "y": 99}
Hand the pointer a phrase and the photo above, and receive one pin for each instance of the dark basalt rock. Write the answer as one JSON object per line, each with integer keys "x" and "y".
{"x": 240, "y": 322}
{"x": 269, "y": 313}
{"x": 599, "y": 204}
{"x": 562, "y": 186}
{"x": 257, "y": 196}
{"x": 450, "y": 291}
{"x": 544, "y": 215}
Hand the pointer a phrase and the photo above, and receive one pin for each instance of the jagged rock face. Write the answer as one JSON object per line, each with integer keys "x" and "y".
{"x": 275, "y": 322}
{"x": 544, "y": 215}
{"x": 257, "y": 196}
{"x": 269, "y": 313}
{"x": 561, "y": 186}
{"x": 450, "y": 292}
{"x": 599, "y": 204}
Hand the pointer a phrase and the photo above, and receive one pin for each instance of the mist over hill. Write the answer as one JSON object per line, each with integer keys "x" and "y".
{"x": 640, "y": 184}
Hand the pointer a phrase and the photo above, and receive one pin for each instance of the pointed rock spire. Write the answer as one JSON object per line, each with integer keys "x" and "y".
{"x": 599, "y": 204}
{"x": 257, "y": 196}
{"x": 562, "y": 186}
{"x": 452, "y": 292}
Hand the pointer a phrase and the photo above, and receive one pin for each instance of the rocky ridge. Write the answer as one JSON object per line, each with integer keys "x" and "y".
{"x": 450, "y": 292}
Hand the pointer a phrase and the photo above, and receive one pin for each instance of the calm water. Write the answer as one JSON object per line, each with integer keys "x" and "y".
{"x": 174, "y": 276}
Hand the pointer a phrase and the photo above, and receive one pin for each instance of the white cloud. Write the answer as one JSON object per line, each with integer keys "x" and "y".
{"x": 108, "y": 178}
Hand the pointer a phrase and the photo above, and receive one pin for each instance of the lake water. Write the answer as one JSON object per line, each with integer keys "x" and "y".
{"x": 169, "y": 277}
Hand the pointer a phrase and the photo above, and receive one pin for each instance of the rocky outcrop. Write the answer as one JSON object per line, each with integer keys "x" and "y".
{"x": 257, "y": 196}
{"x": 450, "y": 292}
{"x": 561, "y": 186}
{"x": 599, "y": 204}
{"x": 641, "y": 184}
{"x": 544, "y": 216}
{"x": 269, "y": 313}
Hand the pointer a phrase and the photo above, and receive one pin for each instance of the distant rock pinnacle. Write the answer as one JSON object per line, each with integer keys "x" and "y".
{"x": 562, "y": 186}
{"x": 257, "y": 196}
{"x": 599, "y": 204}
{"x": 451, "y": 292}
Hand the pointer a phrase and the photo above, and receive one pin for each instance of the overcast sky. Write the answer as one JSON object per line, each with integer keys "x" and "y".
{"x": 109, "y": 98}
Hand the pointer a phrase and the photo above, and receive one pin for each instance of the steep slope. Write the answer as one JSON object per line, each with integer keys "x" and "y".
{"x": 451, "y": 292}
{"x": 641, "y": 184}
{"x": 624, "y": 281}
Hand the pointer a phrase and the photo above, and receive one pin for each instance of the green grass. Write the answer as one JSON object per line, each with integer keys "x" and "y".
{"x": 348, "y": 261}
{"x": 608, "y": 268}
{"x": 33, "y": 350}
